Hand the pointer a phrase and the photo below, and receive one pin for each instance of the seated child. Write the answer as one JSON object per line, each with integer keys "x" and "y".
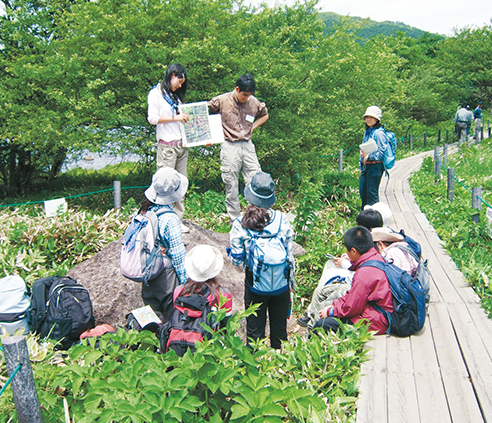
{"x": 369, "y": 218}
{"x": 383, "y": 210}
{"x": 394, "y": 249}
{"x": 369, "y": 287}
{"x": 336, "y": 279}
{"x": 203, "y": 264}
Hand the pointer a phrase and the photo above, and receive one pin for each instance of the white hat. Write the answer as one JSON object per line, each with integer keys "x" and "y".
{"x": 203, "y": 262}
{"x": 383, "y": 210}
{"x": 168, "y": 186}
{"x": 374, "y": 111}
{"x": 385, "y": 235}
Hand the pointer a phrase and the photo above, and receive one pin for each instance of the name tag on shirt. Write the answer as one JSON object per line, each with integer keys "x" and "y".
{"x": 250, "y": 118}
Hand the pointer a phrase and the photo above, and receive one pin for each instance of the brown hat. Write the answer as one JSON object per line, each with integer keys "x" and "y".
{"x": 385, "y": 235}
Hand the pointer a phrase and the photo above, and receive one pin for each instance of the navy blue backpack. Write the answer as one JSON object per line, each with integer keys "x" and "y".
{"x": 409, "y": 300}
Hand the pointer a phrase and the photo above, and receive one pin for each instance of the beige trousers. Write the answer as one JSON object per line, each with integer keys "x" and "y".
{"x": 236, "y": 157}
{"x": 176, "y": 158}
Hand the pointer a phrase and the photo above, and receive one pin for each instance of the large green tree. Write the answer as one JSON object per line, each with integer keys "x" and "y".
{"x": 76, "y": 74}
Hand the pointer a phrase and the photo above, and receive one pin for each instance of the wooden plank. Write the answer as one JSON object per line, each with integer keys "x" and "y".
{"x": 433, "y": 406}
{"x": 476, "y": 357}
{"x": 372, "y": 403}
{"x": 403, "y": 405}
{"x": 443, "y": 373}
{"x": 461, "y": 398}
{"x": 404, "y": 207}
{"x": 482, "y": 320}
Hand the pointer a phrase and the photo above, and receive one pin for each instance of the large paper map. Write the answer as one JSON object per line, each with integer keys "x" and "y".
{"x": 202, "y": 128}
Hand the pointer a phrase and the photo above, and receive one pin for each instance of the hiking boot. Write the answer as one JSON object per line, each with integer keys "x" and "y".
{"x": 303, "y": 321}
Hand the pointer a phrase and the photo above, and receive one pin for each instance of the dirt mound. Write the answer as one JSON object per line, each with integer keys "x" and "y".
{"x": 113, "y": 296}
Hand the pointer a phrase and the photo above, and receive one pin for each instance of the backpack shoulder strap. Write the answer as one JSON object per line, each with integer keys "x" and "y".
{"x": 39, "y": 290}
{"x": 374, "y": 263}
{"x": 272, "y": 229}
{"x": 409, "y": 251}
{"x": 163, "y": 210}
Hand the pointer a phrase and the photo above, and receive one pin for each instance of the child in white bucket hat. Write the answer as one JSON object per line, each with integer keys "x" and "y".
{"x": 392, "y": 247}
{"x": 203, "y": 264}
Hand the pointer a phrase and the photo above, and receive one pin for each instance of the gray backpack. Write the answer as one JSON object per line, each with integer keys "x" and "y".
{"x": 14, "y": 304}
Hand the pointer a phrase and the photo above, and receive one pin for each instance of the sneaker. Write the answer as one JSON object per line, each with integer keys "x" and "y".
{"x": 303, "y": 321}
{"x": 184, "y": 229}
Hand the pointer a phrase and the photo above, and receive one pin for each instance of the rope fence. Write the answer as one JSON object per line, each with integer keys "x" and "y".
{"x": 476, "y": 192}
{"x": 117, "y": 187}
{"x": 10, "y": 378}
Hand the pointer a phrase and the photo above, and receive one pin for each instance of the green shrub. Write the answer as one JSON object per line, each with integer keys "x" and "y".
{"x": 120, "y": 377}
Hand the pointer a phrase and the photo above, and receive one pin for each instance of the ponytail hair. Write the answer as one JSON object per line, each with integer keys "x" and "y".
{"x": 192, "y": 287}
{"x": 255, "y": 218}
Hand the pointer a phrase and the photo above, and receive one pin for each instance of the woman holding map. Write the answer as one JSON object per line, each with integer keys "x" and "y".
{"x": 163, "y": 102}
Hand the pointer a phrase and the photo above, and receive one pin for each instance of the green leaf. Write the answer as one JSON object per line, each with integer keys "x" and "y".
{"x": 239, "y": 411}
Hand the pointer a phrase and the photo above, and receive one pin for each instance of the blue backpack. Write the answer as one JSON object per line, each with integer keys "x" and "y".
{"x": 389, "y": 157}
{"x": 415, "y": 247}
{"x": 268, "y": 260}
{"x": 409, "y": 300}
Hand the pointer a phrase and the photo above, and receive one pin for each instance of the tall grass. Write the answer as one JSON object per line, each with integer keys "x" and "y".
{"x": 468, "y": 243}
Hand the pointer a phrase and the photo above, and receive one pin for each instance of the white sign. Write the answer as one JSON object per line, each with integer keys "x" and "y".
{"x": 202, "y": 128}
{"x": 54, "y": 207}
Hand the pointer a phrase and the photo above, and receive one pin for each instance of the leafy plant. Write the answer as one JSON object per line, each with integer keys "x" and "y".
{"x": 120, "y": 377}
{"x": 468, "y": 243}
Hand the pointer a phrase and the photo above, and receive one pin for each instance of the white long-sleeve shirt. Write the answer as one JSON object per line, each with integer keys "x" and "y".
{"x": 158, "y": 107}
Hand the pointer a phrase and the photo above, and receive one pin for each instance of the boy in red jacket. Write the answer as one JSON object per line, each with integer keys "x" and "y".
{"x": 369, "y": 287}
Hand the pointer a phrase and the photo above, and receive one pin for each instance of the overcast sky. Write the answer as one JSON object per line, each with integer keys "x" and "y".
{"x": 438, "y": 16}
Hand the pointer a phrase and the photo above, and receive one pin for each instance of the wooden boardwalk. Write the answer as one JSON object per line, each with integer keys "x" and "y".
{"x": 443, "y": 373}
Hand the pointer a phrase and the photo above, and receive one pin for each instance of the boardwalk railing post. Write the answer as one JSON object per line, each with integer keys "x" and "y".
{"x": 481, "y": 133}
{"x": 476, "y": 203}
{"x": 439, "y": 136}
{"x": 451, "y": 184}
{"x": 411, "y": 142}
{"x": 489, "y": 131}
{"x": 340, "y": 161}
{"x": 425, "y": 139}
{"x": 117, "y": 194}
{"x": 445, "y": 155}
{"x": 447, "y": 135}
{"x": 23, "y": 388}
{"x": 437, "y": 163}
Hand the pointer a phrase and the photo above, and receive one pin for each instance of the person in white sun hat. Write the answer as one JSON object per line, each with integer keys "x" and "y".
{"x": 168, "y": 186}
{"x": 393, "y": 248}
{"x": 203, "y": 264}
{"x": 371, "y": 165}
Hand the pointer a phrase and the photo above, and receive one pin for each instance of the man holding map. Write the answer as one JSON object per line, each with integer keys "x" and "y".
{"x": 241, "y": 114}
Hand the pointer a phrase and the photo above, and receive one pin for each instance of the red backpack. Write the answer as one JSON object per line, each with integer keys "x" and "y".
{"x": 184, "y": 328}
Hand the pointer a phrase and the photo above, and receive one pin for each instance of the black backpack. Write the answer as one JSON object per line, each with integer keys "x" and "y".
{"x": 409, "y": 300}
{"x": 184, "y": 329}
{"x": 61, "y": 309}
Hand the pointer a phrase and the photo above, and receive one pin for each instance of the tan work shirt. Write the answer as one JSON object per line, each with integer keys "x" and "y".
{"x": 237, "y": 117}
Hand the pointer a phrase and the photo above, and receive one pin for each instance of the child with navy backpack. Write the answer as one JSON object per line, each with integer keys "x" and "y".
{"x": 262, "y": 242}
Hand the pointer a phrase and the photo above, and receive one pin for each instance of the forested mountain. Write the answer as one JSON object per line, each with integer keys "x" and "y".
{"x": 367, "y": 28}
